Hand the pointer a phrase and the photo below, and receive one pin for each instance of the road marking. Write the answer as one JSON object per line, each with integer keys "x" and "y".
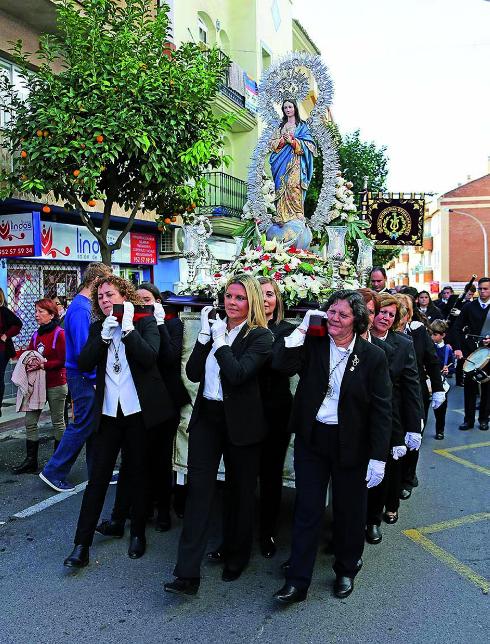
{"x": 418, "y": 536}
{"x": 448, "y": 453}
{"x": 52, "y": 500}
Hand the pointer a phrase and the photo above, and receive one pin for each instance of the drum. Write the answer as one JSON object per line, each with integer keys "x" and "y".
{"x": 477, "y": 365}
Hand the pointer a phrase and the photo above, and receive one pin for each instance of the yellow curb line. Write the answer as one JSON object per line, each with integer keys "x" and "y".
{"x": 418, "y": 536}
{"x": 448, "y": 453}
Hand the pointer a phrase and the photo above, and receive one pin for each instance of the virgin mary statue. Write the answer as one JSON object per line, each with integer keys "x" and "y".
{"x": 291, "y": 160}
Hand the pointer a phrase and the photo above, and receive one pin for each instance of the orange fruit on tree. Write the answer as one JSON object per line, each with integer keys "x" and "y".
{"x": 83, "y": 146}
{"x": 167, "y": 220}
{"x": 46, "y": 209}
{"x": 91, "y": 202}
{"x": 23, "y": 154}
{"x": 99, "y": 138}
{"x": 173, "y": 218}
{"x": 45, "y": 133}
{"x": 39, "y": 132}
{"x": 76, "y": 173}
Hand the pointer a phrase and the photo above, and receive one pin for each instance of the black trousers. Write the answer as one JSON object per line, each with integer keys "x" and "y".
{"x": 470, "y": 395}
{"x": 314, "y": 465}
{"x": 440, "y": 416}
{"x": 208, "y": 441}
{"x": 273, "y": 454}
{"x": 160, "y": 442}
{"x": 123, "y": 432}
{"x": 386, "y": 494}
{"x": 410, "y": 460}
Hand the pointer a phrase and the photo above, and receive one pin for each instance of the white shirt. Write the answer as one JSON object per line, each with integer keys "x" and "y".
{"x": 328, "y": 412}
{"x": 119, "y": 387}
{"x": 483, "y": 304}
{"x": 212, "y": 381}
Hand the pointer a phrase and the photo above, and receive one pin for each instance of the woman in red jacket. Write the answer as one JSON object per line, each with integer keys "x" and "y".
{"x": 49, "y": 341}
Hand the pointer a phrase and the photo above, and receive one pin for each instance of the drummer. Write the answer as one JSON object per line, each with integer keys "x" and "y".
{"x": 475, "y": 321}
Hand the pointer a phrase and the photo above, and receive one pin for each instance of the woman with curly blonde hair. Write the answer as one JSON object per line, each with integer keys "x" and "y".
{"x": 131, "y": 398}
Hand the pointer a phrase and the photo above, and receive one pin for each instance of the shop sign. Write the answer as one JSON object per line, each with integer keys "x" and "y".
{"x": 76, "y": 243}
{"x": 143, "y": 248}
{"x": 251, "y": 93}
{"x": 19, "y": 235}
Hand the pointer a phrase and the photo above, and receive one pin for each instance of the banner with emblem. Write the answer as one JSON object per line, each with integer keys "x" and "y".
{"x": 396, "y": 220}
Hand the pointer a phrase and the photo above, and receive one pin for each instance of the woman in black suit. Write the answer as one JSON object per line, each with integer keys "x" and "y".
{"x": 227, "y": 419}
{"x": 277, "y": 400}
{"x": 429, "y": 369}
{"x": 161, "y": 438}
{"x": 426, "y": 306}
{"x": 130, "y": 399}
{"x": 407, "y": 413}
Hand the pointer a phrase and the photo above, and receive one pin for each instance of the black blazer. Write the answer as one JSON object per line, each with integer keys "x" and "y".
{"x": 142, "y": 346}
{"x": 402, "y": 362}
{"x": 445, "y": 308}
{"x": 239, "y": 366}
{"x": 170, "y": 358}
{"x": 472, "y": 318}
{"x": 274, "y": 386}
{"x": 364, "y": 411}
{"x": 433, "y": 312}
{"x": 427, "y": 361}
{"x": 8, "y": 319}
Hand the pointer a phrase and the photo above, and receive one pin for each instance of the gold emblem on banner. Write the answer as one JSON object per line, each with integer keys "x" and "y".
{"x": 394, "y": 222}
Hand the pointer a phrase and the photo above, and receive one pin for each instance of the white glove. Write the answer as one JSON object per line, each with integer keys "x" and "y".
{"x": 159, "y": 313}
{"x": 305, "y": 323}
{"x": 455, "y": 312}
{"x": 108, "y": 327}
{"x": 218, "y": 331}
{"x": 398, "y": 451}
{"x": 375, "y": 472}
{"x": 127, "y": 318}
{"x": 205, "y": 328}
{"x": 438, "y": 397}
{"x": 413, "y": 440}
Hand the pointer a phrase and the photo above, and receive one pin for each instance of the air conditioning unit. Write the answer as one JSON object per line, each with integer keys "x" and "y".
{"x": 172, "y": 242}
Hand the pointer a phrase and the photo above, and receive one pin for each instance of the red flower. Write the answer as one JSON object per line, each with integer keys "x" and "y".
{"x": 293, "y": 250}
{"x": 217, "y": 274}
{"x": 277, "y": 276}
{"x": 266, "y": 257}
{"x": 247, "y": 268}
{"x": 287, "y": 268}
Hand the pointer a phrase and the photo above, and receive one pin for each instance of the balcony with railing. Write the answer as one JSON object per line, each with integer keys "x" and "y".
{"x": 225, "y": 195}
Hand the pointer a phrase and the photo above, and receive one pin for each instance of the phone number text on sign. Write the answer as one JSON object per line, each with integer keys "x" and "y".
{"x": 143, "y": 248}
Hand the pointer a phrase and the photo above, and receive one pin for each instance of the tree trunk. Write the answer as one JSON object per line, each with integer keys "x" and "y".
{"x": 106, "y": 254}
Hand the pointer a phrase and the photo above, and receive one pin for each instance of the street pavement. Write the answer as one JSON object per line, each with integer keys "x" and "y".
{"x": 428, "y": 580}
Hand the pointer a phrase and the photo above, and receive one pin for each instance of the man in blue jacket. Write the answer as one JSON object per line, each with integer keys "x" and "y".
{"x": 81, "y": 386}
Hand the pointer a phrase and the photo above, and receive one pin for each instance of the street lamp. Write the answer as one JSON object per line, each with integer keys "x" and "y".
{"x": 485, "y": 237}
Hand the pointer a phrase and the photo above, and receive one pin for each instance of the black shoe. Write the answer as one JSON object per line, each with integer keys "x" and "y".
{"x": 405, "y": 494}
{"x": 373, "y": 534}
{"x": 78, "y": 558}
{"x": 216, "y": 556}
{"x": 163, "y": 522}
{"x": 267, "y": 547}
{"x": 29, "y": 465}
{"x": 484, "y": 427}
{"x": 343, "y": 586}
{"x": 465, "y": 426}
{"x": 229, "y": 574}
{"x": 111, "y": 528}
{"x": 439, "y": 437}
{"x": 290, "y": 595}
{"x": 181, "y": 586}
{"x": 390, "y": 519}
{"x": 286, "y": 565}
{"x": 137, "y": 547}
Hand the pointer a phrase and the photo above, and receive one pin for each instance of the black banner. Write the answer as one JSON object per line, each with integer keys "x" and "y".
{"x": 396, "y": 221}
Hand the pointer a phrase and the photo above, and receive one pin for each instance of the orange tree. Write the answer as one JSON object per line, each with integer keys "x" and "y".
{"x": 113, "y": 114}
